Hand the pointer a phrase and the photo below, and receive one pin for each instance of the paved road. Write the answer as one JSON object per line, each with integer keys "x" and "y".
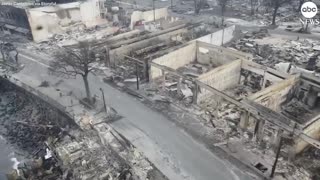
{"x": 166, "y": 145}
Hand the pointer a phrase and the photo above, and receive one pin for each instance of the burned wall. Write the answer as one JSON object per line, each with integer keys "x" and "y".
{"x": 216, "y": 56}
{"x": 274, "y": 96}
{"x": 220, "y": 37}
{"x": 14, "y": 16}
{"x": 220, "y": 78}
{"x": 117, "y": 54}
{"x": 175, "y": 59}
{"x": 268, "y": 74}
{"x": 312, "y": 130}
{"x": 148, "y": 15}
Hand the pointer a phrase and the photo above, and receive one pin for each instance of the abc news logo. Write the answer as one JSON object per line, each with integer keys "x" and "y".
{"x": 309, "y": 9}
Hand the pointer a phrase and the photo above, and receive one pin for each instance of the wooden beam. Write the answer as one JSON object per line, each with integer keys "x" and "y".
{"x": 134, "y": 59}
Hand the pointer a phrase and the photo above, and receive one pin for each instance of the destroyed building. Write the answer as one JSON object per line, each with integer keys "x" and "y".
{"x": 211, "y": 76}
{"x": 44, "y": 22}
{"x": 14, "y": 19}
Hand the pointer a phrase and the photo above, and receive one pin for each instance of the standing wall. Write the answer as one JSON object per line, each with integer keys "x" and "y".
{"x": 274, "y": 96}
{"x": 217, "y": 56}
{"x": 175, "y": 59}
{"x": 220, "y": 78}
{"x": 117, "y": 54}
{"x": 216, "y": 37}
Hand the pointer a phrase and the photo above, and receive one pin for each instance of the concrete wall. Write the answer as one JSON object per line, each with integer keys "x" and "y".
{"x": 175, "y": 59}
{"x": 312, "y": 130}
{"x": 91, "y": 13}
{"x": 221, "y": 78}
{"x": 117, "y": 54}
{"x": 274, "y": 96}
{"x": 43, "y": 25}
{"x": 270, "y": 74}
{"x": 148, "y": 15}
{"x": 216, "y": 37}
{"x": 216, "y": 56}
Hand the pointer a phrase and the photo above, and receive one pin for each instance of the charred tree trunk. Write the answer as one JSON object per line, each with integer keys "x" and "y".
{"x": 3, "y": 56}
{"x": 274, "y": 15}
{"x": 86, "y": 85}
{"x": 196, "y": 6}
{"x": 252, "y": 8}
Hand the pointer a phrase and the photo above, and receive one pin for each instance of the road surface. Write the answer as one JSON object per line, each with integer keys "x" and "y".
{"x": 174, "y": 152}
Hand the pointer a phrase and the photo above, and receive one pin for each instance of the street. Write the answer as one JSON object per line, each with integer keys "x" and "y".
{"x": 174, "y": 152}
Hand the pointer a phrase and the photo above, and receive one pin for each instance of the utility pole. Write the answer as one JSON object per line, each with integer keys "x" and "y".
{"x": 154, "y": 11}
{"x": 171, "y": 4}
{"x": 104, "y": 101}
{"x": 137, "y": 74}
{"x": 277, "y": 157}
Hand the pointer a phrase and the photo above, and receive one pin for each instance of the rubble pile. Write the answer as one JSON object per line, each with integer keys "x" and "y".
{"x": 75, "y": 34}
{"x": 297, "y": 52}
{"x": 30, "y": 125}
{"x": 53, "y": 146}
{"x": 85, "y": 158}
{"x": 262, "y": 13}
{"x": 285, "y": 169}
{"x": 297, "y": 110}
{"x": 222, "y": 116}
{"x": 250, "y": 83}
{"x": 194, "y": 69}
{"x": 310, "y": 159}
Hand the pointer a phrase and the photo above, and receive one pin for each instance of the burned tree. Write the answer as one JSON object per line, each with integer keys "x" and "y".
{"x": 198, "y": 5}
{"x": 254, "y": 4}
{"x": 76, "y": 61}
{"x": 223, "y": 5}
{"x": 276, "y": 4}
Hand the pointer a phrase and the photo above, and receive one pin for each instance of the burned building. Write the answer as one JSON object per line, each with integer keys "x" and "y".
{"x": 14, "y": 19}
{"x": 45, "y": 21}
{"x": 57, "y": 1}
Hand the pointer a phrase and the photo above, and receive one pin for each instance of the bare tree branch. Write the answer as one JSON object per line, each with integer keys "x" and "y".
{"x": 72, "y": 62}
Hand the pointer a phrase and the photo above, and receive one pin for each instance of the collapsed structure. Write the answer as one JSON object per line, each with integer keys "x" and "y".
{"x": 269, "y": 104}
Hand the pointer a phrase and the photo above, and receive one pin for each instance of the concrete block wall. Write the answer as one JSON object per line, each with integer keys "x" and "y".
{"x": 267, "y": 73}
{"x": 175, "y": 59}
{"x": 216, "y": 37}
{"x": 221, "y": 78}
{"x": 274, "y": 96}
{"x": 216, "y": 56}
